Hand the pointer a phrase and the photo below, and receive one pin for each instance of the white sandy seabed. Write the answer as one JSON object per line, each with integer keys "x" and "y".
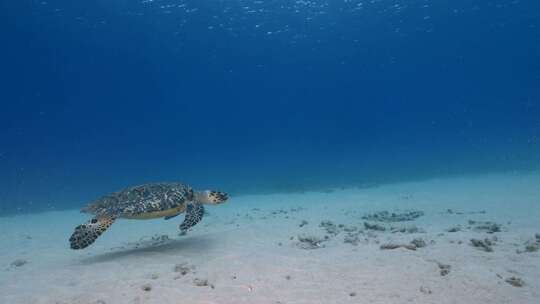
{"x": 247, "y": 251}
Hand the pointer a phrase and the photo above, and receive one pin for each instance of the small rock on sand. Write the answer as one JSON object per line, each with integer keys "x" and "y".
{"x": 303, "y": 223}
{"x": 160, "y": 239}
{"x": 489, "y": 227}
{"x": 184, "y": 268}
{"x": 385, "y": 216}
{"x": 375, "y": 227}
{"x": 146, "y": 287}
{"x": 407, "y": 229}
{"x": 390, "y": 246}
{"x": 19, "y": 262}
{"x": 532, "y": 246}
{"x": 350, "y": 228}
{"x": 485, "y": 245}
{"x": 330, "y": 227}
{"x": 419, "y": 243}
{"x": 444, "y": 268}
{"x": 310, "y": 242}
{"x": 425, "y": 290}
{"x": 200, "y": 282}
{"x": 352, "y": 239}
{"x": 454, "y": 229}
{"x": 514, "y": 281}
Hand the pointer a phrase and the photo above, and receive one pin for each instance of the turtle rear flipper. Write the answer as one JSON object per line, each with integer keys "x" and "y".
{"x": 87, "y": 233}
{"x": 194, "y": 214}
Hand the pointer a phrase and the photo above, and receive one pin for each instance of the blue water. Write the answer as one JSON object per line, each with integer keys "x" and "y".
{"x": 261, "y": 96}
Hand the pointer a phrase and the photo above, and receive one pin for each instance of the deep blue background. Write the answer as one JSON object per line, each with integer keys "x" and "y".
{"x": 261, "y": 96}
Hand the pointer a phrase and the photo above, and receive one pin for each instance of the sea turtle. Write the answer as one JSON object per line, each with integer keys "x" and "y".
{"x": 148, "y": 201}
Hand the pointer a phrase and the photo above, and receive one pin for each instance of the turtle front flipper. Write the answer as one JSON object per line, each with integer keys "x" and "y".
{"x": 87, "y": 233}
{"x": 194, "y": 214}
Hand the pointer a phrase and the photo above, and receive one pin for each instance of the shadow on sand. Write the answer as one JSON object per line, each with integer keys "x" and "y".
{"x": 188, "y": 246}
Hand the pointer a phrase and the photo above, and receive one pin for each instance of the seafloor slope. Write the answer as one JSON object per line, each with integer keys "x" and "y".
{"x": 460, "y": 240}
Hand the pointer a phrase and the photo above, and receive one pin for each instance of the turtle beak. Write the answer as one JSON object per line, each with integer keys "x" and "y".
{"x": 219, "y": 197}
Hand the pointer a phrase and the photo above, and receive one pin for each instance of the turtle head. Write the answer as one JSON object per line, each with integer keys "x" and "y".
{"x": 211, "y": 197}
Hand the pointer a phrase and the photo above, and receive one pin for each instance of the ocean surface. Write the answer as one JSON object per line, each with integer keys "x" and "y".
{"x": 261, "y": 96}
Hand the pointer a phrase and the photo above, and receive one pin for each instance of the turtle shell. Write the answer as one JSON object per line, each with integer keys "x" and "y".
{"x": 138, "y": 200}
